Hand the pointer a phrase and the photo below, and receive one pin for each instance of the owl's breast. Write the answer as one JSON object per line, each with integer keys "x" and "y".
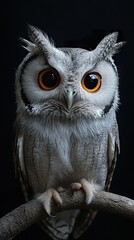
{"x": 59, "y": 158}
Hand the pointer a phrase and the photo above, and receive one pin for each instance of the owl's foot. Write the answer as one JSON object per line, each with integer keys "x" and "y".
{"x": 89, "y": 188}
{"x": 45, "y": 199}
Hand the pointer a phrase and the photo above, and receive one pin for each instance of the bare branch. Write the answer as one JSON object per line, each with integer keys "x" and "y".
{"x": 32, "y": 212}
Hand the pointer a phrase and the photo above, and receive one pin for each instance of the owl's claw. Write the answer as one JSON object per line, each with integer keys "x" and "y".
{"x": 45, "y": 199}
{"x": 89, "y": 188}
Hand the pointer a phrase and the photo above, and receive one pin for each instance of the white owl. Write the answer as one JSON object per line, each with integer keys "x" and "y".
{"x": 66, "y": 133}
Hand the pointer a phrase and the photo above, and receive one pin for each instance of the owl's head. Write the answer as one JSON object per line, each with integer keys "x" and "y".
{"x": 67, "y": 82}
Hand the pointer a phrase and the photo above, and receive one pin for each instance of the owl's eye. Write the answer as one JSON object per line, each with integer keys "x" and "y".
{"x": 91, "y": 81}
{"x": 48, "y": 79}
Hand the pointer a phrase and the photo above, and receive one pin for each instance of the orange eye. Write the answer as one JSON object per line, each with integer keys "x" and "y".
{"x": 48, "y": 79}
{"x": 91, "y": 81}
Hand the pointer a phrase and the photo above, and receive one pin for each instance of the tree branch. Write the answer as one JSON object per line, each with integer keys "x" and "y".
{"x": 32, "y": 212}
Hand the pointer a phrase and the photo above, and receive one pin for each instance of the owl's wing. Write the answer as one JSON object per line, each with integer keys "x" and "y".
{"x": 113, "y": 151}
{"x": 84, "y": 219}
{"x": 20, "y": 172}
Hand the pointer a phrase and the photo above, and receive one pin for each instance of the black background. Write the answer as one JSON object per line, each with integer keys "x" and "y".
{"x": 75, "y": 24}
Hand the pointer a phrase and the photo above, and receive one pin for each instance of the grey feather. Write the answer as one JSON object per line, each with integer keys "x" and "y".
{"x": 69, "y": 132}
{"x": 29, "y": 46}
{"x": 108, "y": 46}
{"x": 42, "y": 41}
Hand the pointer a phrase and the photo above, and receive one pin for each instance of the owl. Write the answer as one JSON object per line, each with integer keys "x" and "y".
{"x": 66, "y": 131}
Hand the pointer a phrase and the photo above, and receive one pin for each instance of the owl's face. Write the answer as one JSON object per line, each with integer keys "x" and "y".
{"x": 67, "y": 82}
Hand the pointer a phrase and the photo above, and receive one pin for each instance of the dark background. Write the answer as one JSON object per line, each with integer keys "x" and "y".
{"x": 75, "y": 24}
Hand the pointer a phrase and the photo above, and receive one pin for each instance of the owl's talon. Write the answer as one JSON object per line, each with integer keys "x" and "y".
{"x": 57, "y": 197}
{"x": 89, "y": 188}
{"x": 45, "y": 199}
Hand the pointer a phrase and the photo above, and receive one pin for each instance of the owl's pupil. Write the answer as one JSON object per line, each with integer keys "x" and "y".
{"x": 91, "y": 81}
{"x": 49, "y": 79}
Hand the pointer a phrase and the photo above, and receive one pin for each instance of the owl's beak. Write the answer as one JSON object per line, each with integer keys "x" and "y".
{"x": 69, "y": 96}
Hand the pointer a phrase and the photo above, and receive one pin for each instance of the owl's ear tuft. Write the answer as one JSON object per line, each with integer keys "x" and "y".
{"x": 39, "y": 38}
{"x": 117, "y": 47}
{"x": 43, "y": 42}
{"x": 108, "y": 46}
{"x": 29, "y": 46}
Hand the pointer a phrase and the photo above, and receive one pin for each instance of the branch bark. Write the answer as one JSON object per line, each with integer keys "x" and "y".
{"x": 32, "y": 212}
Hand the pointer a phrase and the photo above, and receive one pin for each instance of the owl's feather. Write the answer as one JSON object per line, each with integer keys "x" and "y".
{"x": 108, "y": 46}
{"x": 67, "y": 134}
{"x": 29, "y": 46}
